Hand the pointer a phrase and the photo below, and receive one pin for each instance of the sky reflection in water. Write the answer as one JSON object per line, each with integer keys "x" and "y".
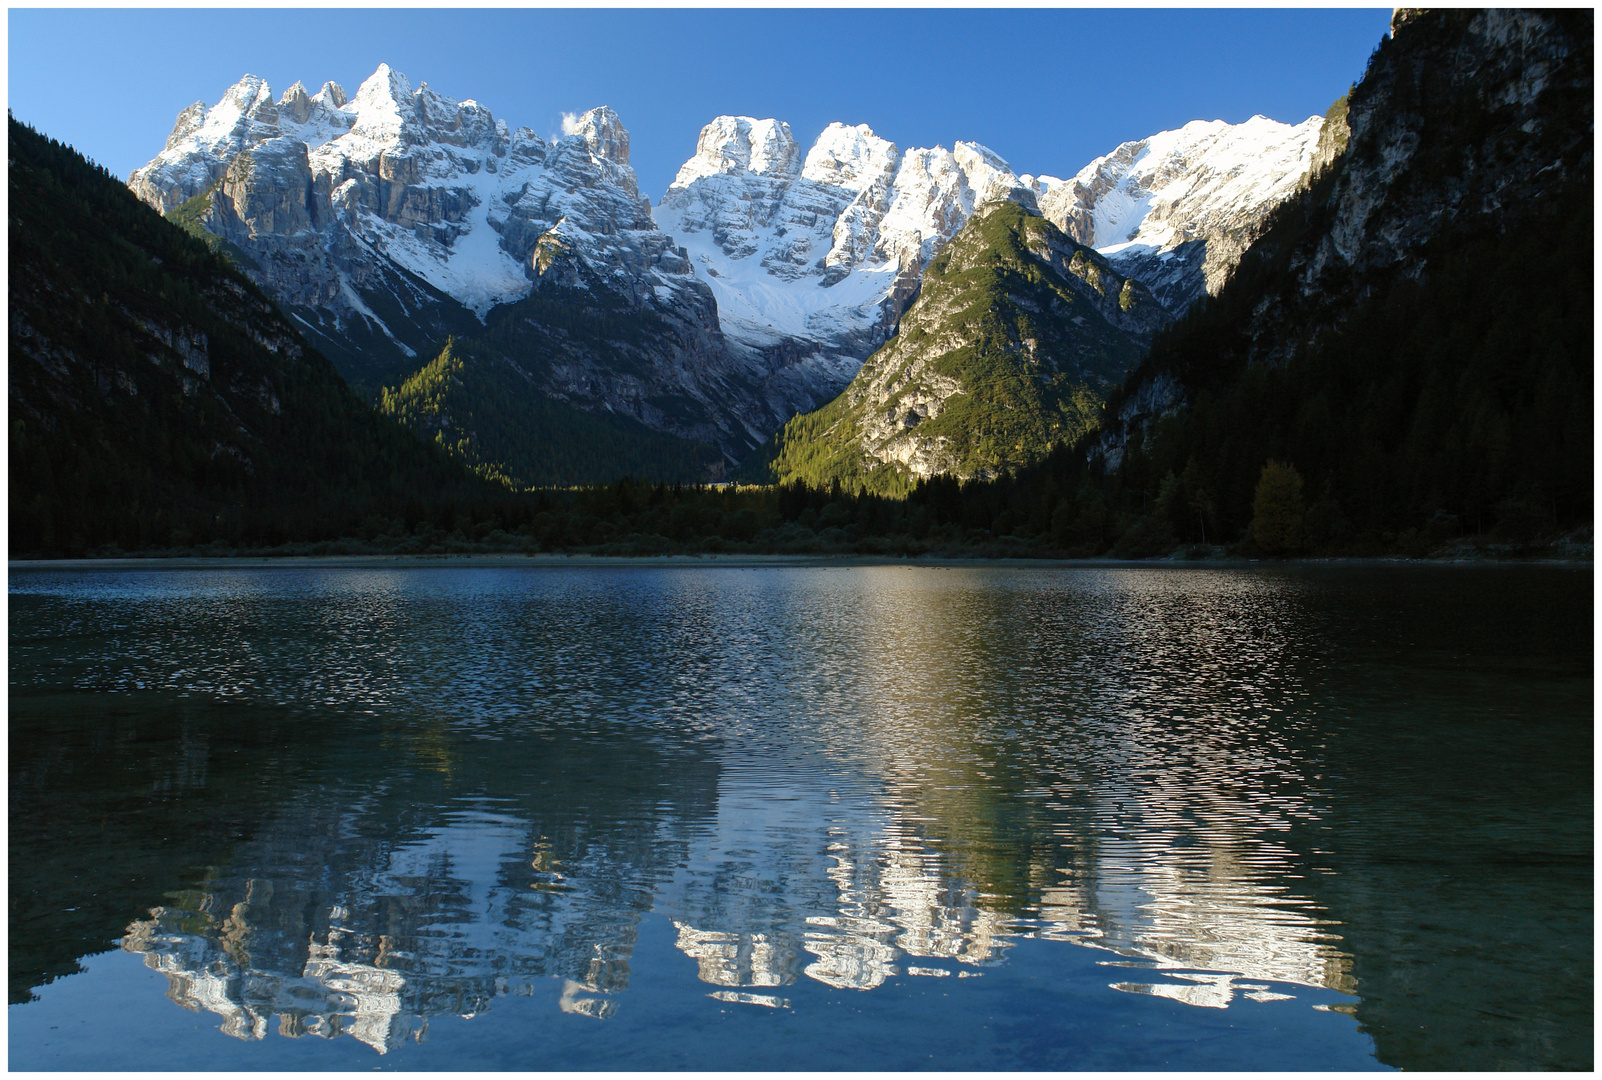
{"x": 841, "y": 778}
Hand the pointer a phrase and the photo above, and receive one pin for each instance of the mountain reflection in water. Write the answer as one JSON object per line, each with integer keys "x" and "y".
{"x": 843, "y": 776}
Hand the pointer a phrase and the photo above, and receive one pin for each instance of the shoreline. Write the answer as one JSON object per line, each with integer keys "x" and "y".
{"x": 738, "y": 562}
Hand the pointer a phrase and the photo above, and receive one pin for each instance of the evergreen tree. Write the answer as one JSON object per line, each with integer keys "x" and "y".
{"x": 1277, "y": 509}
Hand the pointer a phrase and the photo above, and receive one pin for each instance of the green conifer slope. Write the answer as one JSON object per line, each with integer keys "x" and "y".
{"x": 158, "y": 398}
{"x": 486, "y": 409}
{"x": 1017, "y": 334}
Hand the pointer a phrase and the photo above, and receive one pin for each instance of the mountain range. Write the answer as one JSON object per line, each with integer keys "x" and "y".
{"x": 386, "y": 222}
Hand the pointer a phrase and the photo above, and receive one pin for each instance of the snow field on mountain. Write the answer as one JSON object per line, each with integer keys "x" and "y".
{"x": 1207, "y": 171}
{"x": 817, "y": 254}
{"x": 474, "y": 269}
{"x": 761, "y": 309}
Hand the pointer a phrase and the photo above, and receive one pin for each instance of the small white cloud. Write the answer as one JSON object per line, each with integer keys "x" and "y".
{"x": 570, "y": 122}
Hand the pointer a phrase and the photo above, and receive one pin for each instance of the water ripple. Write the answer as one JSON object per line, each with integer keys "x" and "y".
{"x": 848, "y": 776}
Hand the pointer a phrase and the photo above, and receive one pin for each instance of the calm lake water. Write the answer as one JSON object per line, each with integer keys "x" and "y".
{"x": 808, "y": 817}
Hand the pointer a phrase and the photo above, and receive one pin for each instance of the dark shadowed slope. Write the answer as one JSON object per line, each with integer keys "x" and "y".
{"x": 158, "y": 397}
{"x": 1414, "y": 333}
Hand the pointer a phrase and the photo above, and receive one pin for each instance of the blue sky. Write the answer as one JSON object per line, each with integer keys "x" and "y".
{"x": 1047, "y": 90}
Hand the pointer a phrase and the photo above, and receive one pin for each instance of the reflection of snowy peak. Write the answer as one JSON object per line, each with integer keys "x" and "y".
{"x": 366, "y": 214}
{"x": 820, "y": 251}
{"x": 1177, "y": 209}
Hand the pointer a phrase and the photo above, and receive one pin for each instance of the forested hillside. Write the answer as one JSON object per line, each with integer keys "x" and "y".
{"x": 486, "y": 396}
{"x": 158, "y": 398}
{"x": 1412, "y": 336}
{"x": 1016, "y": 336}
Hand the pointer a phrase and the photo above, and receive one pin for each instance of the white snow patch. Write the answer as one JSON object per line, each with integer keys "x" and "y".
{"x": 357, "y": 304}
{"x": 1166, "y": 189}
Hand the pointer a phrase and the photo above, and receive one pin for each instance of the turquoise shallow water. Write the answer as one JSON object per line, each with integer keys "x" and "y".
{"x": 820, "y": 818}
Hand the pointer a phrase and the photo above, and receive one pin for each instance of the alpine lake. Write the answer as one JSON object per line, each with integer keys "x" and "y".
{"x": 801, "y": 816}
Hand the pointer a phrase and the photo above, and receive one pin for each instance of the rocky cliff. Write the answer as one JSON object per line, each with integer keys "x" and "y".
{"x": 386, "y": 221}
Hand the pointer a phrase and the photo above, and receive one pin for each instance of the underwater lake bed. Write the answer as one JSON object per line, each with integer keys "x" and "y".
{"x": 801, "y": 817}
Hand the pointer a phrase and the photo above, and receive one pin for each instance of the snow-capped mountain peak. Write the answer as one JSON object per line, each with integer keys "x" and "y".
{"x": 820, "y": 251}
{"x": 989, "y": 178}
{"x": 604, "y": 134}
{"x": 741, "y": 144}
{"x": 1176, "y": 209}
{"x": 296, "y": 103}
{"x": 245, "y": 114}
{"x": 852, "y": 158}
{"x": 383, "y": 105}
{"x": 332, "y": 95}
{"x": 411, "y": 179}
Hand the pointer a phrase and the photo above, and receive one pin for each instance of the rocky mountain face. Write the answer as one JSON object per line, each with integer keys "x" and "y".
{"x": 1466, "y": 124}
{"x": 813, "y": 255}
{"x": 383, "y": 222}
{"x": 1017, "y": 334}
{"x": 1177, "y": 209}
